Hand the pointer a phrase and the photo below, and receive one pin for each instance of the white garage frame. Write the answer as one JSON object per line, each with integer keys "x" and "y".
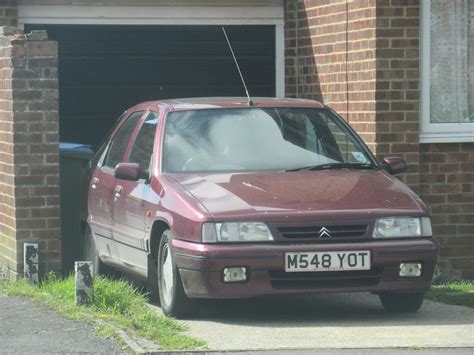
{"x": 208, "y": 14}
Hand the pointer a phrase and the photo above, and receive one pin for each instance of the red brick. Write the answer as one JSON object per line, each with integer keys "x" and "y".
{"x": 30, "y": 85}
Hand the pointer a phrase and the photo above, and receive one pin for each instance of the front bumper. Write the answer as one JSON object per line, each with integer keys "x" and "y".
{"x": 201, "y": 265}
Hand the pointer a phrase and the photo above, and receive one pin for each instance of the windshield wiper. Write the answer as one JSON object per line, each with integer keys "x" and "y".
{"x": 329, "y": 166}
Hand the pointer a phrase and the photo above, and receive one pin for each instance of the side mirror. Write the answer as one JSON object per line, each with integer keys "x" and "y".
{"x": 394, "y": 165}
{"x": 127, "y": 171}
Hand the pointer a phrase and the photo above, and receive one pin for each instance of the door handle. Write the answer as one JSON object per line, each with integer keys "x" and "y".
{"x": 118, "y": 191}
{"x": 94, "y": 182}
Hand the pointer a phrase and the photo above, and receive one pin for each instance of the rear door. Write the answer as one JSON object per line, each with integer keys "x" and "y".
{"x": 102, "y": 188}
{"x": 129, "y": 228}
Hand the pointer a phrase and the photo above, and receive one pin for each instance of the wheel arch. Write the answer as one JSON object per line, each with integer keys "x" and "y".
{"x": 157, "y": 229}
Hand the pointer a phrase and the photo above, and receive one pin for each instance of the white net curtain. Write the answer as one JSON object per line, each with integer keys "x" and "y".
{"x": 452, "y": 61}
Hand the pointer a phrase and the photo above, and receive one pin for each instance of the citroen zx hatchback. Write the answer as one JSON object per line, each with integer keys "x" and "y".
{"x": 216, "y": 198}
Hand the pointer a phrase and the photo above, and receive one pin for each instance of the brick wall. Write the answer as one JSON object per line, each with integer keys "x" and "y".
{"x": 330, "y": 57}
{"x": 398, "y": 84}
{"x": 8, "y": 13}
{"x": 29, "y": 156}
{"x": 362, "y": 58}
{"x": 447, "y": 186}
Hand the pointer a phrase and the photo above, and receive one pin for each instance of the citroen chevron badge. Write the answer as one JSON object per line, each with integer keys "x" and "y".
{"x": 324, "y": 233}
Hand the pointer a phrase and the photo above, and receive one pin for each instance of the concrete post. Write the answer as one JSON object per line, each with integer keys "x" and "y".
{"x": 84, "y": 282}
{"x": 30, "y": 253}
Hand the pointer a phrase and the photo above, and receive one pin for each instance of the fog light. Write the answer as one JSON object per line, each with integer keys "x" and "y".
{"x": 234, "y": 274}
{"x": 410, "y": 269}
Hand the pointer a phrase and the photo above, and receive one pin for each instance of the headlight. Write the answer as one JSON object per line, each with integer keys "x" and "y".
{"x": 235, "y": 232}
{"x": 402, "y": 227}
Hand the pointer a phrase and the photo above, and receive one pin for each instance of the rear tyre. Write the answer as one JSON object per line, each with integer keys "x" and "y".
{"x": 173, "y": 299}
{"x": 402, "y": 302}
{"x": 90, "y": 253}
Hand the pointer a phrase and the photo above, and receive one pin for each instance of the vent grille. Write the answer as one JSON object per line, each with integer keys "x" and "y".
{"x": 323, "y": 232}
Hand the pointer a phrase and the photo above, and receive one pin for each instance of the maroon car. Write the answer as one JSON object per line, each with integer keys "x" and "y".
{"x": 216, "y": 198}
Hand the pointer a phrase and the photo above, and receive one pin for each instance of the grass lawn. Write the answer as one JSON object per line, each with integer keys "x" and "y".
{"x": 459, "y": 293}
{"x": 116, "y": 302}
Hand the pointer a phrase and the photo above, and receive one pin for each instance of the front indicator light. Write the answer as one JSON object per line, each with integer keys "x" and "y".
{"x": 410, "y": 270}
{"x": 234, "y": 274}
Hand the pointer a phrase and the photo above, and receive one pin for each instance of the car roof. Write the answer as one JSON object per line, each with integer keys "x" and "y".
{"x": 233, "y": 102}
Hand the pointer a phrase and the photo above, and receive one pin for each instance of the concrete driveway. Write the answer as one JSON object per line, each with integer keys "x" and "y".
{"x": 329, "y": 321}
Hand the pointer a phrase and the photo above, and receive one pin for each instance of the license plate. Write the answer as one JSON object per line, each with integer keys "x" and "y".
{"x": 328, "y": 261}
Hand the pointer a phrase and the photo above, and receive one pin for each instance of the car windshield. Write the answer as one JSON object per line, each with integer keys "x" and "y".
{"x": 259, "y": 139}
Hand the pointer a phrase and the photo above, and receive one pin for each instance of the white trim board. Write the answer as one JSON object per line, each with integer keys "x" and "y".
{"x": 151, "y": 15}
{"x": 167, "y": 15}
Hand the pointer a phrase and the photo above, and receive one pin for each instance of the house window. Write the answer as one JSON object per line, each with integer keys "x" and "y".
{"x": 447, "y": 55}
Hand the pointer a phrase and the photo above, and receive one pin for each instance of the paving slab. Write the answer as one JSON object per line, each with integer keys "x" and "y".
{"x": 27, "y": 327}
{"x": 329, "y": 321}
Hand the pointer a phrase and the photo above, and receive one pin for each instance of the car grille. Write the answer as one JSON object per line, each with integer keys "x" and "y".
{"x": 329, "y": 279}
{"x": 324, "y": 233}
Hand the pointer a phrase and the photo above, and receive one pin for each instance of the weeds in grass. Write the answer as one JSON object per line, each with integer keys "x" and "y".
{"x": 458, "y": 293}
{"x": 115, "y": 301}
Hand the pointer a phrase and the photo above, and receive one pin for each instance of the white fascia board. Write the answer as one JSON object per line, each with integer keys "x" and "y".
{"x": 151, "y": 15}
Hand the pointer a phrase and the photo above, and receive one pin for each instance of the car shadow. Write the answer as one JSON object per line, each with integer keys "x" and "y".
{"x": 349, "y": 309}
{"x": 325, "y": 309}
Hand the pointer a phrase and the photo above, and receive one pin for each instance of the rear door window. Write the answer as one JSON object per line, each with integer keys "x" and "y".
{"x": 119, "y": 143}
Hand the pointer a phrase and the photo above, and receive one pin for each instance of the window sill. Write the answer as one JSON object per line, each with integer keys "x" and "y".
{"x": 458, "y": 137}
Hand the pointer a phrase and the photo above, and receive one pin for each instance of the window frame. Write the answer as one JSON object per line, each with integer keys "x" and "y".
{"x": 135, "y": 136}
{"x": 103, "y": 159}
{"x": 435, "y": 132}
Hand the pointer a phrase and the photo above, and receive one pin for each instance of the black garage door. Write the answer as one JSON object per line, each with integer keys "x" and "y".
{"x": 103, "y": 70}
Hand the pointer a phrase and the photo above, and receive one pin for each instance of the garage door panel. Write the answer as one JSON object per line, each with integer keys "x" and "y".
{"x": 166, "y": 48}
{"x": 88, "y": 41}
{"x": 147, "y": 71}
{"x": 102, "y": 101}
{"x": 181, "y": 33}
{"x": 105, "y": 100}
{"x": 103, "y": 70}
{"x": 96, "y": 127}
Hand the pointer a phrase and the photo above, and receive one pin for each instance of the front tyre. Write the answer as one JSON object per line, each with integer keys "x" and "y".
{"x": 402, "y": 302}
{"x": 173, "y": 299}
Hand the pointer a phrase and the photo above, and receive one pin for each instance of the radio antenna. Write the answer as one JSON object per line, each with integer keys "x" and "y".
{"x": 250, "y": 102}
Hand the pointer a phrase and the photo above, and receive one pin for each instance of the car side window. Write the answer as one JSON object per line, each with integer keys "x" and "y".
{"x": 142, "y": 148}
{"x": 348, "y": 148}
{"x": 119, "y": 143}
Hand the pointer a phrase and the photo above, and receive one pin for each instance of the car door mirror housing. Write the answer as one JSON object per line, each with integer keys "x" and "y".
{"x": 128, "y": 171}
{"x": 394, "y": 165}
